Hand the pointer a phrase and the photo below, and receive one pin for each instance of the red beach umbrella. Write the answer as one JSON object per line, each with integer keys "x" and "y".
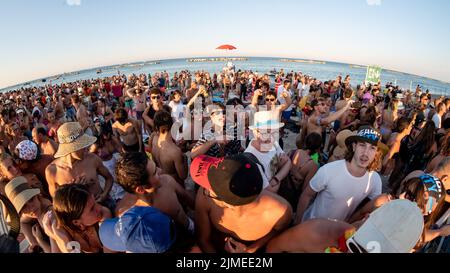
{"x": 226, "y": 47}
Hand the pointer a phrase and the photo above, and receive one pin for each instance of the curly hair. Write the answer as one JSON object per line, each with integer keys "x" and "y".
{"x": 131, "y": 171}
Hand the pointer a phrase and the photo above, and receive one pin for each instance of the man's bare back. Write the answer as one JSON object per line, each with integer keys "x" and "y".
{"x": 239, "y": 222}
{"x": 127, "y": 133}
{"x": 166, "y": 154}
{"x": 164, "y": 198}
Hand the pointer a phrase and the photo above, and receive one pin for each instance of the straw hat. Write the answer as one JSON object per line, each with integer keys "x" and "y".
{"x": 341, "y": 149}
{"x": 72, "y": 138}
{"x": 19, "y": 192}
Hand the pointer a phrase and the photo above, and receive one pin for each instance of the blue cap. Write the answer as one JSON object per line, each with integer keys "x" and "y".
{"x": 139, "y": 230}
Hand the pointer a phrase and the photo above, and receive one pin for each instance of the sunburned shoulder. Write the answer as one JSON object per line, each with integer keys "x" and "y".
{"x": 53, "y": 166}
{"x": 92, "y": 156}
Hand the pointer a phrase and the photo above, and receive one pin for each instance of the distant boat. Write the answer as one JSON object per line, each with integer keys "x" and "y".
{"x": 302, "y": 61}
{"x": 99, "y": 71}
{"x": 357, "y": 66}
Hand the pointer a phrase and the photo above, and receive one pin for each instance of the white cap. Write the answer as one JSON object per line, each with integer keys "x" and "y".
{"x": 394, "y": 228}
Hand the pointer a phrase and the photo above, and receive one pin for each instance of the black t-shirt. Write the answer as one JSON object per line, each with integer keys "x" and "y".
{"x": 152, "y": 112}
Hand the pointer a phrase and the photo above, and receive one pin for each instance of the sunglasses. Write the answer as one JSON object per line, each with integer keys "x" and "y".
{"x": 156, "y": 97}
{"x": 354, "y": 247}
{"x": 218, "y": 112}
{"x": 271, "y": 100}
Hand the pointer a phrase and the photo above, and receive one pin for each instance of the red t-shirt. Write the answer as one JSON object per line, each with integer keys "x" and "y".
{"x": 108, "y": 87}
{"x": 117, "y": 91}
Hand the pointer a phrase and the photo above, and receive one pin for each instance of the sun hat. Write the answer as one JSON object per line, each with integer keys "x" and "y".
{"x": 266, "y": 120}
{"x": 365, "y": 134}
{"x": 139, "y": 230}
{"x": 27, "y": 150}
{"x": 72, "y": 138}
{"x": 396, "y": 227}
{"x": 19, "y": 192}
{"x": 341, "y": 137}
{"x": 236, "y": 180}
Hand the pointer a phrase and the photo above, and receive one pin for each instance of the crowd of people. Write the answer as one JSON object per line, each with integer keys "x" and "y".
{"x": 199, "y": 163}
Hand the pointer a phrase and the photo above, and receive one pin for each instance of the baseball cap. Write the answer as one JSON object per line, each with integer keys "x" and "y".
{"x": 395, "y": 227}
{"x": 139, "y": 230}
{"x": 236, "y": 180}
{"x": 433, "y": 186}
{"x": 365, "y": 134}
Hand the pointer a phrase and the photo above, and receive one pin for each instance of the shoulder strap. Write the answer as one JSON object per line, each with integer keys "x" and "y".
{"x": 15, "y": 219}
{"x": 255, "y": 160}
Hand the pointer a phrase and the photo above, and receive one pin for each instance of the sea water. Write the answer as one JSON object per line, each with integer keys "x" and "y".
{"x": 322, "y": 71}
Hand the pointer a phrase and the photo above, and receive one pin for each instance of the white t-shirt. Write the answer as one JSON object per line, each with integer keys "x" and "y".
{"x": 177, "y": 110}
{"x": 339, "y": 192}
{"x": 437, "y": 120}
{"x": 269, "y": 160}
{"x": 426, "y": 113}
{"x": 281, "y": 90}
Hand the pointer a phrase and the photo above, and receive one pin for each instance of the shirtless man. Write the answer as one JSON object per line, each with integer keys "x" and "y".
{"x": 348, "y": 94}
{"x": 59, "y": 108}
{"x": 317, "y": 121}
{"x": 271, "y": 101}
{"x": 127, "y": 132}
{"x": 232, "y": 207}
{"x": 74, "y": 164}
{"x": 53, "y": 125}
{"x": 47, "y": 146}
{"x": 82, "y": 115}
{"x": 145, "y": 186}
{"x": 167, "y": 155}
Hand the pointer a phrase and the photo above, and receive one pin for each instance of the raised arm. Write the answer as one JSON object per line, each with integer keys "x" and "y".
{"x": 336, "y": 115}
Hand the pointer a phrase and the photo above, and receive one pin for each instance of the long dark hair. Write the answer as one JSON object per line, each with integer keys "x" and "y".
{"x": 69, "y": 203}
{"x": 426, "y": 138}
{"x": 414, "y": 190}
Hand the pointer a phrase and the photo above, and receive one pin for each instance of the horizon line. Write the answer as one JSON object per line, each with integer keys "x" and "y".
{"x": 181, "y": 58}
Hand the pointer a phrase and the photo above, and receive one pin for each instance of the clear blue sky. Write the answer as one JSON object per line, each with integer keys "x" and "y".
{"x": 43, "y": 38}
